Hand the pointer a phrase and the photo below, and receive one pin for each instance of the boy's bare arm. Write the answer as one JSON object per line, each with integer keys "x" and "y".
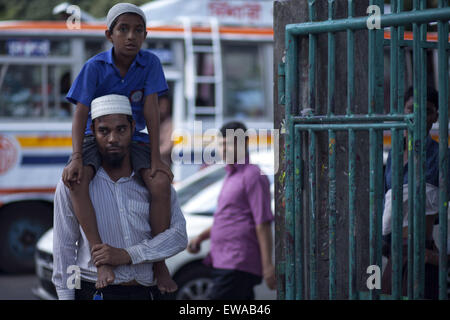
{"x": 151, "y": 115}
{"x": 80, "y": 119}
{"x": 73, "y": 172}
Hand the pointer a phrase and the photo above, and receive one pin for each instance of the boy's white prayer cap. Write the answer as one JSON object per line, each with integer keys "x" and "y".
{"x": 122, "y": 8}
{"x": 110, "y": 104}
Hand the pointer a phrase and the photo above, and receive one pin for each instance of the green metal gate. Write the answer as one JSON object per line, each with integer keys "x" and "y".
{"x": 301, "y": 279}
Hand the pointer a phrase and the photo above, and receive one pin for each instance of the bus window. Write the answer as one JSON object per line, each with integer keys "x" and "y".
{"x": 34, "y": 91}
{"x": 244, "y": 84}
{"x": 162, "y": 49}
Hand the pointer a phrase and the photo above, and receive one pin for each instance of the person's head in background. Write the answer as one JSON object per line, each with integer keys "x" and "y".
{"x": 234, "y": 142}
{"x": 127, "y": 31}
{"x": 432, "y": 105}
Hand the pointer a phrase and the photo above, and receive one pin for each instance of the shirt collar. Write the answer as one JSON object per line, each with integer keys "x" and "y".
{"x": 102, "y": 174}
{"x": 230, "y": 168}
{"x": 108, "y": 58}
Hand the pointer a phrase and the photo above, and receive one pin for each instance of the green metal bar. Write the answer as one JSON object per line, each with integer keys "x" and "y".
{"x": 379, "y": 108}
{"x": 353, "y": 294}
{"x": 411, "y": 202}
{"x": 298, "y": 246}
{"x": 289, "y": 218}
{"x": 290, "y": 71}
{"x": 397, "y": 217}
{"x": 443, "y": 153}
{"x": 371, "y": 84}
{"x": 331, "y": 158}
{"x": 372, "y": 214}
{"x": 423, "y": 135}
{"x": 388, "y": 20}
{"x": 409, "y": 43}
{"x": 350, "y": 61}
{"x": 394, "y": 64}
{"x": 281, "y": 269}
{"x": 401, "y": 64}
{"x": 332, "y": 212}
{"x": 291, "y": 85}
{"x": 331, "y": 62}
{"x": 353, "y": 126}
{"x": 312, "y": 217}
{"x": 312, "y": 58}
{"x": 290, "y": 225}
{"x": 352, "y": 290}
{"x": 397, "y": 181}
{"x": 353, "y": 118}
{"x": 418, "y": 163}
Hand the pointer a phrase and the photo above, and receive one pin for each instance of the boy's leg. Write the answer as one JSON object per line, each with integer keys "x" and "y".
{"x": 84, "y": 211}
{"x": 160, "y": 191}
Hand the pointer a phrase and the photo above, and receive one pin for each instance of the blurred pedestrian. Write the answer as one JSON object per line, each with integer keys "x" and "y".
{"x": 431, "y": 204}
{"x": 241, "y": 235}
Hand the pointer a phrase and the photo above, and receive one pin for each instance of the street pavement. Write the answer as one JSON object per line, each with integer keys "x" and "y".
{"x": 17, "y": 286}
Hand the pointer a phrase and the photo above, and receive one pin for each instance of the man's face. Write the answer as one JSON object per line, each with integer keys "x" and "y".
{"x": 432, "y": 112}
{"x": 128, "y": 34}
{"x": 113, "y": 136}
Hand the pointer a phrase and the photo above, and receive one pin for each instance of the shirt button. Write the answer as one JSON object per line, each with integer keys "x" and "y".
{"x": 123, "y": 81}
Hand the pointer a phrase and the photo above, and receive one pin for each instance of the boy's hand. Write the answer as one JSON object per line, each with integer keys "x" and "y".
{"x": 161, "y": 166}
{"x": 73, "y": 173}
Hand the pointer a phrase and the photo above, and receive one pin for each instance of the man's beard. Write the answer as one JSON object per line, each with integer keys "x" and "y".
{"x": 114, "y": 160}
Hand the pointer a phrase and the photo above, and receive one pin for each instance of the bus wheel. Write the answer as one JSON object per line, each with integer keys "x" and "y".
{"x": 21, "y": 226}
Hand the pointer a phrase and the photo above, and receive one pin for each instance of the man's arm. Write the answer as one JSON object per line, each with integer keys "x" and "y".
{"x": 257, "y": 187}
{"x": 161, "y": 247}
{"x": 264, "y": 235}
{"x": 66, "y": 233}
{"x": 194, "y": 244}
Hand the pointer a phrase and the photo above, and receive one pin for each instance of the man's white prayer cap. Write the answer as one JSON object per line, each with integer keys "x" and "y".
{"x": 122, "y": 8}
{"x": 110, "y": 104}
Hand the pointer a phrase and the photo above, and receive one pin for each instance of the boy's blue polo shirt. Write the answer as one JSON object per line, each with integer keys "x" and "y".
{"x": 99, "y": 76}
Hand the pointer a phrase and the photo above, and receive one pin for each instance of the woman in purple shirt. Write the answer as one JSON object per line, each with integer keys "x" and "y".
{"x": 241, "y": 236}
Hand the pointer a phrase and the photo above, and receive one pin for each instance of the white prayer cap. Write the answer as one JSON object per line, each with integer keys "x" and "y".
{"x": 110, "y": 104}
{"x": 122, "y": 8}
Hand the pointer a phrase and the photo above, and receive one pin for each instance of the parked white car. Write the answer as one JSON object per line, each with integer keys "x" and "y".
{"x": 197, "y": 196}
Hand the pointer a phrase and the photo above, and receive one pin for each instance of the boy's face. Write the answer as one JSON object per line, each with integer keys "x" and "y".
{"x": 128, "y": 34}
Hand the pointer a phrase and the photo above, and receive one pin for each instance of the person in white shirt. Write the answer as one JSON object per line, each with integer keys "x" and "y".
{"x": 121, "y": 203}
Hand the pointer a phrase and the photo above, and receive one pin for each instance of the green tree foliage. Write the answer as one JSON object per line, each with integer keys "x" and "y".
{"x": 42, "y": 9}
